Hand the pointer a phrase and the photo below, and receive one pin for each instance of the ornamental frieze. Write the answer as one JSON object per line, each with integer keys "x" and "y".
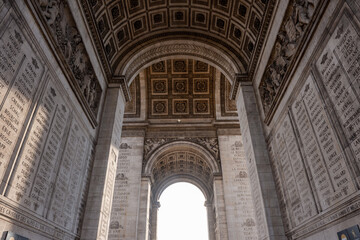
{"x": 298, "y": 22}
{"x": 64, "y": 36}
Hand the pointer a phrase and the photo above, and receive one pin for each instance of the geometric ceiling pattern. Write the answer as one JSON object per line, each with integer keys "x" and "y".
{"x": 180, "y": 88}
{"x": 119, "y": 25}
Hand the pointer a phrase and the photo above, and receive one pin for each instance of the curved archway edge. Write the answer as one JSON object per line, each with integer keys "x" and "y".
{"x": 182, "y": 178}
{"x": 180, "y": 49}
{"x": 181, "y": 145}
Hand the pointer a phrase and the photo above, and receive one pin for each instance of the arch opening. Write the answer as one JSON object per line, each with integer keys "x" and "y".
{"x": 182, "y": 214}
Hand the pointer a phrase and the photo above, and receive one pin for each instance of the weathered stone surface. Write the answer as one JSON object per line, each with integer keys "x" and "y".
{"x": 240, "y": 212}
{"x": 126, "y": 199}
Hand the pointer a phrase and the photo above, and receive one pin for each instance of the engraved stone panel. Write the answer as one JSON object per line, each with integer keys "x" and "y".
{"x": 279, "y": 187}
{"x": 240, "y": 210}
{"x": 322, "y": 150}
{"x": 84, "y": 190}
{"x": 62, "y": 209}
{"x": 339, "y": 68}
{"x": 292, "y": 173}
{"x": 35, "y": 168}
{"x": 20, "y": 75}
{"x": 125, "y": 202}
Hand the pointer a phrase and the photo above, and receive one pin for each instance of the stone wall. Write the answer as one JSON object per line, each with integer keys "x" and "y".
{"x": 313, "y": 136}
{"x": 46, "y": 138}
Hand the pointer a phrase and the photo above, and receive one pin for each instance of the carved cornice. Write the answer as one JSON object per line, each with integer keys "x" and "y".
{"x": 261, "y": 39}
{"x": 240, "y": 79}
{"x": 98, "y": 43}
{"x": 294, "y": 34}
{"x": 191, "y": 49}
{"x": 120, "y": 81}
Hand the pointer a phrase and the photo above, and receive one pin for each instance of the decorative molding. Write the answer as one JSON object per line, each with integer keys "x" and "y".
{"x": 296, "y": 28}
{"x": 120, "y": 27}
{"x": 65, "y": 38}
{"x": 120, "y": 81}
{"x": 180, "y": 93}
{"x": 228, "y": 106}
{"x": 98, "y": 43}
{"x": 133, "y": 107}
{"x": 191, "y": 49}
{"x": 239, "y": 80}
{"x": 322, "y": 221}
{"x": 211, "y": 144}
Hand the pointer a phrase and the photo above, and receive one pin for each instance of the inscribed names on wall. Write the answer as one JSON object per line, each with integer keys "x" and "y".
{"x": 322, "y": 150}
{"x": 80, "y": 211}
{"x": 252, "y": 168}
{"x": 292, "y": 171}
{"x": 69, "y": 178}
{"x": 240, "y": 210}
{"x": 125, "y": 203}
{"x": 279, "y": 186}
{"x": 35, "y": 168}
{"x": 20, "y": 75}
{"x": 339, "y": 68}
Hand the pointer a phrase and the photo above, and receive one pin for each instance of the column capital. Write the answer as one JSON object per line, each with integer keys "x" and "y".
{"x": 156, "y": 204}
{"x": 120, "y": 82}
{"x": 240, "y": 79}
{"x": 208, "y": 204}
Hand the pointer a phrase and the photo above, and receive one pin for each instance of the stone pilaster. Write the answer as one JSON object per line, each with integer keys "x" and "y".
{"x": 98, "y": 207}
{"x": 154, "y": 219}
{"x": 144, "y": 209}
{"x": 240, "y": 212}
{"x": 267, "y": 213}
{"x": 211, "y": 219}
{"x": 221, "y": 232}
{"x": 125, "y": 204}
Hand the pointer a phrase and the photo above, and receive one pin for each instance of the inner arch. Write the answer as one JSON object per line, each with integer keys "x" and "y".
{"x": 171, "y": 49}
{"x": 182, "y": 214}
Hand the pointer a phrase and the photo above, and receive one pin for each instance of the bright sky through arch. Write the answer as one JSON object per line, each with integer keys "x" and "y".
{"x": 182, "y": 214}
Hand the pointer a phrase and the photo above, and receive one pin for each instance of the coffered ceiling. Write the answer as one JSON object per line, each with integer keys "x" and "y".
{"x": 120, "y": 26}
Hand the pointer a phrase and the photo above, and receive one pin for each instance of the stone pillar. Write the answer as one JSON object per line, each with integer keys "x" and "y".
{"x": 154, "y": 220}
{"x": 125, "y": 204}
{"x": 211, "y": 219}
{"x": 220, "y": 213}
{"x": 98, "y": 206}
{"x": 144, "y": 209}
{"x": 240, "y": 212}
{"x": 266, "y": 204}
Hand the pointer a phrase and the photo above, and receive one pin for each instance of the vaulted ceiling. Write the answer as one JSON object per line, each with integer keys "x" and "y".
{"x": 121, "y": 27}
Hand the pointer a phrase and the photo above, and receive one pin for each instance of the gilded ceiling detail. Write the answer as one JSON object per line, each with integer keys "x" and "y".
{"x": 119, "y": 27}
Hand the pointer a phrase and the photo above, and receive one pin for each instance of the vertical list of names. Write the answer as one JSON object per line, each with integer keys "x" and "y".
{"x": 20, "y": 75}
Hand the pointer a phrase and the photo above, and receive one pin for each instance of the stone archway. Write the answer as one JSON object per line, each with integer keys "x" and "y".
{"x": 181, "y": 161}
{"x": 170, "y": 49}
